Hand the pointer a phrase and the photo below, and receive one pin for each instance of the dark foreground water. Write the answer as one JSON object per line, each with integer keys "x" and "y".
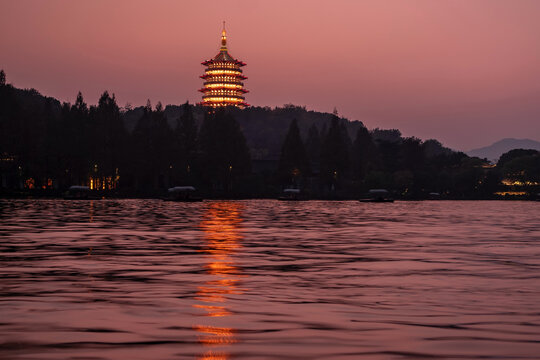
{"x": 143, "y": 279}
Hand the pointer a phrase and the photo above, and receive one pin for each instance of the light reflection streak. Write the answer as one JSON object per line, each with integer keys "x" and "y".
{"x": 221, "y": 226}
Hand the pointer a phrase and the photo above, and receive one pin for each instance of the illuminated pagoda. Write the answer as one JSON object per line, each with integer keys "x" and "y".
{"x": 223, "y": 78}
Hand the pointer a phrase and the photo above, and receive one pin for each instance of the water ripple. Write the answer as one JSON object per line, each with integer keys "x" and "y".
{"x": 261, "y": 279}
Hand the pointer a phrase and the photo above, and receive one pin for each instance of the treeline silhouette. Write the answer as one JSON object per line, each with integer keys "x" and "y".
{"x": 46, "y": 146}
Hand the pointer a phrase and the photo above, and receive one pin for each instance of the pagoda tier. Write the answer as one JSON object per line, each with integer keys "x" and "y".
{"x": 223, "y": 77}
{"x": 216, "y": 78}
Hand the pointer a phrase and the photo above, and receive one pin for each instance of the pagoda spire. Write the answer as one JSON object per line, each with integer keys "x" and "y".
{"x": 223, "y": 38}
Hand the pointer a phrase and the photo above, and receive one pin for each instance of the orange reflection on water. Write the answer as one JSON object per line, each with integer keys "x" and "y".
{"x": 214, "y": 356}
{"x": 222, "y": 235}
{"x": 214, "y": 311}
{"x": 216, "y": 335}
{"x": 221, "y": 267}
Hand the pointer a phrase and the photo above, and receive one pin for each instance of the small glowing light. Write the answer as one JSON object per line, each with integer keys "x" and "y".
{"x": 511, "y": 193}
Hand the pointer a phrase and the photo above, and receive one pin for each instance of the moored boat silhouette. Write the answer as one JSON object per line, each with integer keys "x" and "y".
{"x": 378, "y": 195}
{"x": 290, "y": 195}
{"x": 182, "y": 194}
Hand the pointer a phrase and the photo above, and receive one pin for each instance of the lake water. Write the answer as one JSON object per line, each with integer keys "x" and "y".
{"x": 262, "y": 279}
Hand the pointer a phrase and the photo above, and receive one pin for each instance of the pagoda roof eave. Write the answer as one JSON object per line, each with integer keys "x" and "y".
{"x": 213, "y": 96}
{"x": 215, "y": 60}
{"x": 241, "y": 105}
{"x": 223, "y": 87}
{"x": 205, "y": 76}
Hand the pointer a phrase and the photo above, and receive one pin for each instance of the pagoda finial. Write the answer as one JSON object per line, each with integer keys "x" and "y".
{"x": 223, "y": 38}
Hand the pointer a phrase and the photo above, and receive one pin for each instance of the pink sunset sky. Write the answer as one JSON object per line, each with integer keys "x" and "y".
{"x": 466, "y": 72}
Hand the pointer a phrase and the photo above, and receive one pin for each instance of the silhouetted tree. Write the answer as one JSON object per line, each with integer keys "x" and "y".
{"x": 10, "y": 121}
{"x": 521, "y": 165}
{"x": 74, "y": 142}
{"x": 2, "y": 78}
{"x": 109, "y": 137}
{"x": 364, "y": 155}
{"x": 142, "y": 169}
{"x": 185, "y": 137}
{"x": 434, "y": 148}
{"x": 161, "y": 139}
{"x": 225, "y": 156}
{"x": 412, "y": 153}
{"x": 334, "y": 154}
{"x": 293, "y": 161}
{"x": 152, "y": 144}
{"x": 390, "y": 155}
{"x": 467, "y": 178}
{"x": 390, "y": 135}
{"x": 313, "y": 146}
{"x": 513, "y": 154}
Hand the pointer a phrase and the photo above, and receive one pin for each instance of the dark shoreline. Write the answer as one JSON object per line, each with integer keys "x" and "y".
{"x": 232, "y": 198}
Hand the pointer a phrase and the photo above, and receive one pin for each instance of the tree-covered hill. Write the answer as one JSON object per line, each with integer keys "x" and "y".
{"x": 46, "y": 146}
{"x": 263, "y": 127}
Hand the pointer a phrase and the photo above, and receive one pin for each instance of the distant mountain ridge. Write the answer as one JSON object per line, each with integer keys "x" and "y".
{"x": 495, "y": 150}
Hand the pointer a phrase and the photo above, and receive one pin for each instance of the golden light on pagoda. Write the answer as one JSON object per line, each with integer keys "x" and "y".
{"x": 223, "y": 79}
